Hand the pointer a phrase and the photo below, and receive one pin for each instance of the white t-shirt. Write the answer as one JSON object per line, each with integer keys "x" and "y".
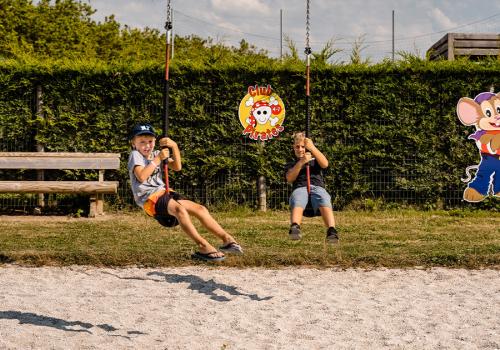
{"x": 154, "y": 183}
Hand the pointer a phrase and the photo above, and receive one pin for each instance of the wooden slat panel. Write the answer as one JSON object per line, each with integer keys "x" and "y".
{"x": 476, "y": 36}
{"x": 477, "y": 52}
{"x": 486, "y": 44}
{"x": 48, "y": 160}
{"x": 58, "y": 187}
{"x": 441, "y": 42}
{"x": 442, "y": 51}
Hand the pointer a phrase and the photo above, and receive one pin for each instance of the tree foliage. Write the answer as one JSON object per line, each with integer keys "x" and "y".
{"x": 64, "y": 29}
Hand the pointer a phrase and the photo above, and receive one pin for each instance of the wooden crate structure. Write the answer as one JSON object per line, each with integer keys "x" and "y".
{"x": 475, "y": 46}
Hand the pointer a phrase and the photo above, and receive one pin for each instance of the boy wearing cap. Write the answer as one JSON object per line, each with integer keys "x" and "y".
{"x": 170, "y": 209}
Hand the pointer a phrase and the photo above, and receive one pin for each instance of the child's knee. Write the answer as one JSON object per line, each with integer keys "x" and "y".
{"x": 179, "y": 211}
{"x": 202, "y": 209}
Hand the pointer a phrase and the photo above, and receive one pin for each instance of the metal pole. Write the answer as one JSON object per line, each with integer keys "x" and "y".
{"x": 281, "y": 34}
{"x": 262, "y": 193}
{"x": 40, "y": 174}
{"x": 392, "y": 35}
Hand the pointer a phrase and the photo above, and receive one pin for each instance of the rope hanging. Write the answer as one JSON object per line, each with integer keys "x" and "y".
{"x": 308, "y": 48}
{"x": 168, "y": 27}
{"x": 308, "y": 51}
{"x": 309, "y": 211}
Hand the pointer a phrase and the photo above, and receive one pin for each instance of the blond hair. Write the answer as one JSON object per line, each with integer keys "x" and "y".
{"x": 298, "y": 137}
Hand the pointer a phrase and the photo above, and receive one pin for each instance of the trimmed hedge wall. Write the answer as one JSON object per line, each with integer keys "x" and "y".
{"x": 390, "y": 131}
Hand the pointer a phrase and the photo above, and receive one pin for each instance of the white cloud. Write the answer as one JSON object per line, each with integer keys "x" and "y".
{"x": 242, "y": 7}
{"x": 443, "y": 22}
{"x": 257, "y": 21}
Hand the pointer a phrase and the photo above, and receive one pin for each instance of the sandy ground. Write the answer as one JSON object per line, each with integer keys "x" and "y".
{"x": 222, "y": 308}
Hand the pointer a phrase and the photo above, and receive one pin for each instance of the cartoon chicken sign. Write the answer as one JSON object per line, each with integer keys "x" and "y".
{"x": 261, "y": 113}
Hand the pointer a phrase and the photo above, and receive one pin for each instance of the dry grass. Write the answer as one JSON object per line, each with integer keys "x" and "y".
{"x": 368, "y": 239}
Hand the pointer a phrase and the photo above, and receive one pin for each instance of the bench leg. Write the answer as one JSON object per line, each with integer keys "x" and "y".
{"x": 93, "y": 206}
{"x": 100, "y": 204}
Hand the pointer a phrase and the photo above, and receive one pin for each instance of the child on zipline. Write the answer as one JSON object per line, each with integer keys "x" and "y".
{"x": 170, "y": 209}
{"x": 296, "y": 174}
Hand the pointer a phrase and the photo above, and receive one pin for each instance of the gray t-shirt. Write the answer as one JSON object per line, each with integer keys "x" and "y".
{"x": 153, "y": 184}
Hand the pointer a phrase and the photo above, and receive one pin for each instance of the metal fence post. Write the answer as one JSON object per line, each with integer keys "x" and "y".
{"x": 261, "y": 193}
{"x": 40, "y": 175}
{"x": 261, "y": 184}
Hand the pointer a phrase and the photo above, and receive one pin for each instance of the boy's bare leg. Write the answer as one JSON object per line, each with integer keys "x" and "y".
{"x": 182, "y": 215}
{"x": 296, "y": 215}
{"x": 206, "y": 219}
{"x": 327, "y": 215}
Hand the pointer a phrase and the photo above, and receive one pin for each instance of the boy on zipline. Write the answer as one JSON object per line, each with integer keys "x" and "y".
{"x": 170, "y": 209}
{"x": 296, "y": 174}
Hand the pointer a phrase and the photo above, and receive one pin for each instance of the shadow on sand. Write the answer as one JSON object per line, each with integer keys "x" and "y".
{"x": 198, "y": 284}
{"x": 207, "y": 287}
{"x": 68, "y": 326}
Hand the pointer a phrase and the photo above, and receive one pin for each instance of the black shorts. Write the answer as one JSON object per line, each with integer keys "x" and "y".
{"x": 162, "y": 215}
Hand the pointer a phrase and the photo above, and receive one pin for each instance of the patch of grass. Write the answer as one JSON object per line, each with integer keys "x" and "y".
{"x": 394, "y": 238}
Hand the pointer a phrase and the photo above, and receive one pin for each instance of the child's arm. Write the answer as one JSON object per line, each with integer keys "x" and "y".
{"x": 143, "y": 172}
{"x": 291, "y": 175}
{"x": 175, "y": 162}
{"x": 320, "y": 157}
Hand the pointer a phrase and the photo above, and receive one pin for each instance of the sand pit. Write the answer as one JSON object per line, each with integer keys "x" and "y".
{"x": 222, "y": 308}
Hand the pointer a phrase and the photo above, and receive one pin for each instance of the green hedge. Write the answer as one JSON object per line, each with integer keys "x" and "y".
{"x": 389, "y": 130}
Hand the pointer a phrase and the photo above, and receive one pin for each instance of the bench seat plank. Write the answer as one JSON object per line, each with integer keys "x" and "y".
{"x": 59, "y": 186}
{"x": 64, "y": 160}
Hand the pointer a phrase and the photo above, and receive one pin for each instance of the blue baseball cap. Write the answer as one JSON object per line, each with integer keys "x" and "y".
{"x": 142, "y": 129}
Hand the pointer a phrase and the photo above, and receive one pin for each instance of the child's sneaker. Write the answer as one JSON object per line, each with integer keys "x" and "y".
{"x": 233, "y": 248}
{"x": 332, "y": 235}
{"x": 294, "y": 232}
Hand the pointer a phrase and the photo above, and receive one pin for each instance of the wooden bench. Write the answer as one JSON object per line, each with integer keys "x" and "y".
{"x": 55, "y": 160}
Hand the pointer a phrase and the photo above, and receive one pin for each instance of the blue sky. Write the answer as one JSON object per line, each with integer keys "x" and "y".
{"x": 418, "y": 23}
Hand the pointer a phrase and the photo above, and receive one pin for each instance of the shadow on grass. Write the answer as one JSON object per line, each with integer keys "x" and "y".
{"x": 4, "y": 259}
{"x": 68, "y": 326}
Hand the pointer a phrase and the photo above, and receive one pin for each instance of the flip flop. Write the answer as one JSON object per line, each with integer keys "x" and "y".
{"x": 207, "y": 256}
{"x": 232, "y": 248}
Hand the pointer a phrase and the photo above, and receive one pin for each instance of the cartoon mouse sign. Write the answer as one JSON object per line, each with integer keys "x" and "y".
{"x": 483, "y": 112}
{"x": 261, "y": 113}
